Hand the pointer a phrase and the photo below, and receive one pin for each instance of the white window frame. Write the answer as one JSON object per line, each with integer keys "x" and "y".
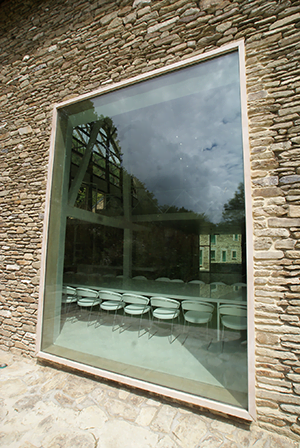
{"x": 249, "y": 414}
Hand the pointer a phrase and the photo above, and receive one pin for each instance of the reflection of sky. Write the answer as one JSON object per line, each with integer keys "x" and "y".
{"x": 187, "y": 151}
{"x": 180, "y": 134}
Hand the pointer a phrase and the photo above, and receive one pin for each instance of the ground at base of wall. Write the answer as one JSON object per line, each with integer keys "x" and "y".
{"x": 43, "y": 406}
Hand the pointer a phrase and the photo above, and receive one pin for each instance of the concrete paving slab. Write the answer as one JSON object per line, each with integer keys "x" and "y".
{"x": 45, "y": 407}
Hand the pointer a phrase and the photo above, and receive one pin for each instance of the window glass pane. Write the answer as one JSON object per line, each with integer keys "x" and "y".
{"x": 147, "y": 205}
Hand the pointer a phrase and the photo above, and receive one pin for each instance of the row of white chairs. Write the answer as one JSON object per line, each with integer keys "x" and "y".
{"x": 196, "y": 312}
{"x": 195, "y": 282}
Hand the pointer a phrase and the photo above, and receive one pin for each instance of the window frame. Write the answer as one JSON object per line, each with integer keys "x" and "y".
{"x": 109, "y": 86}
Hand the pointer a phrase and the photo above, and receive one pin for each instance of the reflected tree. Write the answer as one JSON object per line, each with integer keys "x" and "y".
{"x": 234, "y": 209}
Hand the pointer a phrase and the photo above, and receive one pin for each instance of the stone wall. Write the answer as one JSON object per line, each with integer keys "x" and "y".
{"x": 55, "y": 50}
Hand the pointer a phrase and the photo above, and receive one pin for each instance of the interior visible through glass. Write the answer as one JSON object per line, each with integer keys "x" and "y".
{"x": 146, "y": 256}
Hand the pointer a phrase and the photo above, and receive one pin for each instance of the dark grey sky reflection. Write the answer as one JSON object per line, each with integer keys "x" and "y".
{"x": 180, "y": 133}
{"x": 187, "y": 151}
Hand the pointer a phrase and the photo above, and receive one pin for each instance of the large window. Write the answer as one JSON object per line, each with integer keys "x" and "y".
{"x": 143, "y": 176}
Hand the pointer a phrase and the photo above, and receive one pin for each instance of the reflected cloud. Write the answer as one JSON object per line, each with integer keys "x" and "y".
{"x": 191, "y": 144}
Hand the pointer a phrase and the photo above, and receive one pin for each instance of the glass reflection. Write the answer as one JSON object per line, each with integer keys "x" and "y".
{"x": 152, "y": 206}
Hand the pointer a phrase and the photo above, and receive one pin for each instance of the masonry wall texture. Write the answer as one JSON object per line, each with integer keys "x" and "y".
{"x": 54, "y": 50}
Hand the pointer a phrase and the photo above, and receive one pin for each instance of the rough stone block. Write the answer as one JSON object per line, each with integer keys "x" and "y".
{"x": 294, "y": 211}
{"x": 268, "y": 255}
{"x": 284, "y": 222}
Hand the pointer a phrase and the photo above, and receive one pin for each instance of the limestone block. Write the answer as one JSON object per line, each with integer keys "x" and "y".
{"x": 291, "y": 110}
{"x": 294, "y": 211}
{"x": 262, "y": 243}
{"x": 285, "y": 244}
{"x": 257, "y": 95}
{"x": 285, "y": 21}
{"x": 205, "y": 4}
{"x": 267, "y": 338}
{"x": 293, "y": 253}
{"x": 284, "y": 222}
{"x": 191, "y": 12}
{"x": 268, "y": 255}
{"x": 108, "y": 18}
{"x": 130, "y": 18}
{"x": 293, "y": 409}
{"x": 280, "y": 146}
{"x": 158, "y": 26}
{"x": 122, "y": 409}
{"x": 139, "y": 3}
{"x": 143, "y": 11}
{"x": 25, "y": 130}
{"x": 164, "y": 419}
{"x": 290, "y": 179}
{"x": 189, "y": 430}
{"x": 146, "y": 415}
{"x": 223, "y": 27}
{"x": 266, "y": 181}
{"x": 12, "y": 267}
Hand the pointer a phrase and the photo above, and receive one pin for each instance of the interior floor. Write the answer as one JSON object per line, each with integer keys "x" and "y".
{"x": 191, "y": 359}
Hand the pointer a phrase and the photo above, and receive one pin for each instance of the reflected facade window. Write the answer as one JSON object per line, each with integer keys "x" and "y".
{"x": 148, "y": 211}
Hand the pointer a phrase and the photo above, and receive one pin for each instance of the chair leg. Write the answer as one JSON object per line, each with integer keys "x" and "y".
{"x": 222, "y": 338}
{"x": 122, "y": 323}
{"x": 89, "y": 317}
{"x": 185, "y": 330}
{"x": 150, "y": 334}
{"x": 141, "y": 318}
{"x": 209, "y": 344}
{"x": 114, "y": 321}
{"x": 175, "y": 337}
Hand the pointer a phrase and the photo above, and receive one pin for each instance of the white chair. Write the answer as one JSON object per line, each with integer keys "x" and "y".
{"x": 199, "y": 313}
{"x": 135, "y": 305}
{"x": 197, "y": 282}
{"x": 177, "y": 280}
{"x": 87, "y": 298}
{"x": 164, "y": 309}
{"x": 111, "y": 301}
{"x": 69, "y": 297}
{"x": 139, "y": 277}
{"x": 233, "y": 317}
{"x": 239, "y": 285}
{"x": 217, "y": 283}
{"x": 162, "y": 279}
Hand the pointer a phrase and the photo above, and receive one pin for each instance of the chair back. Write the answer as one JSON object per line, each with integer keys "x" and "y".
{"x": 110, "y": 295}
{"x": 164, "y": 302}
{"x": 69, "y": 291}
{"x": 197, "y": 282}
{"x": 135, "y": 299}
{"x": 193, "y": 305}
{"x": 139, "y": 277}
{"x": 233, "y": 310}
{"x": 86, "y": 292}
{"x": 162, "y": 279}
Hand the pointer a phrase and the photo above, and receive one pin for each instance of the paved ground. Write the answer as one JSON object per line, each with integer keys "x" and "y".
{"x": 42, "y": 407}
